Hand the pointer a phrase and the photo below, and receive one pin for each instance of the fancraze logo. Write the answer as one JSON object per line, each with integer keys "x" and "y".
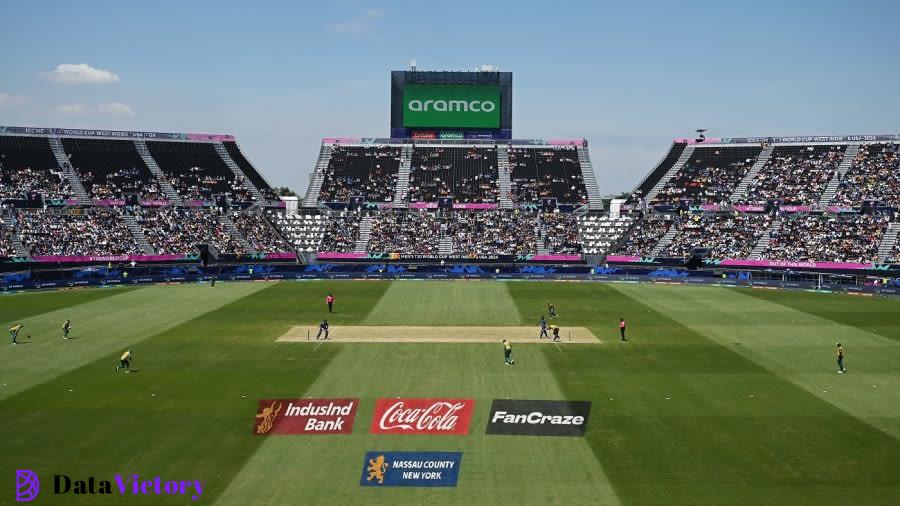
{"x": 410, "y": 469}
{"x": 538, "y": 418}
{"x": 422, "y": 416}
{"x": 305, "y": 416}
{"x": 451, "y": 106}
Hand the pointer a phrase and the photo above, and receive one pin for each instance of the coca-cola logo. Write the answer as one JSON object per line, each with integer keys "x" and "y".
{"x": 422, "y": 416}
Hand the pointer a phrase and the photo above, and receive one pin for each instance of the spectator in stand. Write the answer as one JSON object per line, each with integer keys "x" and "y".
{"x": 367, "y": 171}
{"x": 705, "y": 181}
{"x": 411, "y": 233}
{"x": 827, "y": 238}
{"x": 341, "y": 233}
{"x": 489, "y": 233}
{"x": 643, "y": 237}
{"x": 259, "y": 233}
{"x": 84, "y": 232}
{"x": 726, "y": 235}
{"x": 547, "y": 172}
{"x": 18, "y": 183}
{"x": 116, "y": 184}
{"x": 797, "y": 178}
{"x": 874, "y": 176}
{"x": 560, "y": 233}
{"x": 173, "y": 231}
{"x": 469, "y": 175}
{"x": 6, "y": 246}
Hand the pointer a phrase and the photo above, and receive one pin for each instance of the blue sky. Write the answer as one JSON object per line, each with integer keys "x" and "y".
{"x": 628, "y": 76}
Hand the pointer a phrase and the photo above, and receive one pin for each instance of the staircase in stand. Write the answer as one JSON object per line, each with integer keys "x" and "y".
{"x": 248, "y": 184}
{"x": 741, "y": 191}
{"x": 10, "y": 221}
{"x": 503, "y": 181}
{"x": 233, "y": 231}
{"x": 595, "y": 202}
{"x": 665, "y": 240}
{"x": 138, "y": 234}
{"x": 764, "y": 240}
{"x": 445, "y": 248}
{"x": 685, "y": 156}
{"x": 402, "y": 187}
{"x": 161, "y": 178}
{"x": 365, "y": 231}
{"x": 318, "y": 177}
{"x": 847, "y": 162}
{"x": 71, "y": 175}
{"x": 888, "y": 241}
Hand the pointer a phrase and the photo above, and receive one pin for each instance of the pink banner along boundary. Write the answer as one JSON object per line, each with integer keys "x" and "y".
{"x": 556, "y": 258}
{"x": 334, "y": 255}
{"x": 106, "y": 258}
{"x": 433, "y": 205}
{"x": 788, "y": 264}
{"x": 779, "y": 264}
{"x": 284, "y": 255}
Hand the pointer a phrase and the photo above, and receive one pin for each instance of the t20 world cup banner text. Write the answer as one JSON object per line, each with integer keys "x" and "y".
{"x": 305, "y": 416}
{"x": 422, "y": 416}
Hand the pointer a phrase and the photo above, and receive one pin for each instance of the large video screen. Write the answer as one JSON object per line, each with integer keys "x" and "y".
{"x": 451, "y": 106}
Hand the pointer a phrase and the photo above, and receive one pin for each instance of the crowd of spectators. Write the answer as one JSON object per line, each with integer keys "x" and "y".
{"x": 827, "y": 238}
{"x": 341, "y": 233}
{"x": 118, "y": 183}
{"x": 874, "y": 175}
{"x": 259, "y": 232}
{"x": 84, "y": 232}
{"x": 367, "y": 171}
{"x": 176, "y": 231}
{"x": 642, "y": 238}
{"x": 410, "y": 233}
{"x": 469, "y": 175}
{"x": 17, "y": 184}
{"x": 709, "y": 177}
{"x": 726, "y": 235}
{"x": 797, "y": 175}
{"x": 546, "y": 172}
{"x": 6, "y": 246}
{"x": 479, "y": 234}
{"x": 560, "y": 234}
{"x": 197, "y": 184}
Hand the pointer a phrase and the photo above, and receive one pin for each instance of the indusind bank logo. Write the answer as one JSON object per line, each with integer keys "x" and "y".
{"x": 28, "y": 486}
{"x": 304, "y": 416}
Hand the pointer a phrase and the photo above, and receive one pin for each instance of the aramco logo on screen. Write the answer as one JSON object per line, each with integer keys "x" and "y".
{"x": 451, "y": 106}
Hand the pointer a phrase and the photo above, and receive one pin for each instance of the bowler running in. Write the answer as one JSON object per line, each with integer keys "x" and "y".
{"x": 507, "y": 353}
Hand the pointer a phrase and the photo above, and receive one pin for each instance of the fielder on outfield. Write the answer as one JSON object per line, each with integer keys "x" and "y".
{"x": 507, "y": 353}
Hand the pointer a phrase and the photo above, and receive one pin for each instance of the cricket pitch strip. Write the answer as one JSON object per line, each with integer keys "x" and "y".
{"x": 403, "y": 334}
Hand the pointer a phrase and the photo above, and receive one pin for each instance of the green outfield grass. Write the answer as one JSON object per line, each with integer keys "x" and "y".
{"x": 721, "y": 396}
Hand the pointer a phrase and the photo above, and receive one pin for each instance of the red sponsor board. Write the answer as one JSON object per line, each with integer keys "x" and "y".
{"x": 305, "y": 416}
{"x": 424, "y": 134}
{"x": 422, "y": 416}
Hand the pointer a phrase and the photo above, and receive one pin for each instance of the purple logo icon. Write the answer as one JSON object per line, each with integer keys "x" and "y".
{"x": 27, "y": 485}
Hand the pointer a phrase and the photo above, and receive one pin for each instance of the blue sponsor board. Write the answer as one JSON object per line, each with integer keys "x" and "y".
{"x": 410, "y": 469}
